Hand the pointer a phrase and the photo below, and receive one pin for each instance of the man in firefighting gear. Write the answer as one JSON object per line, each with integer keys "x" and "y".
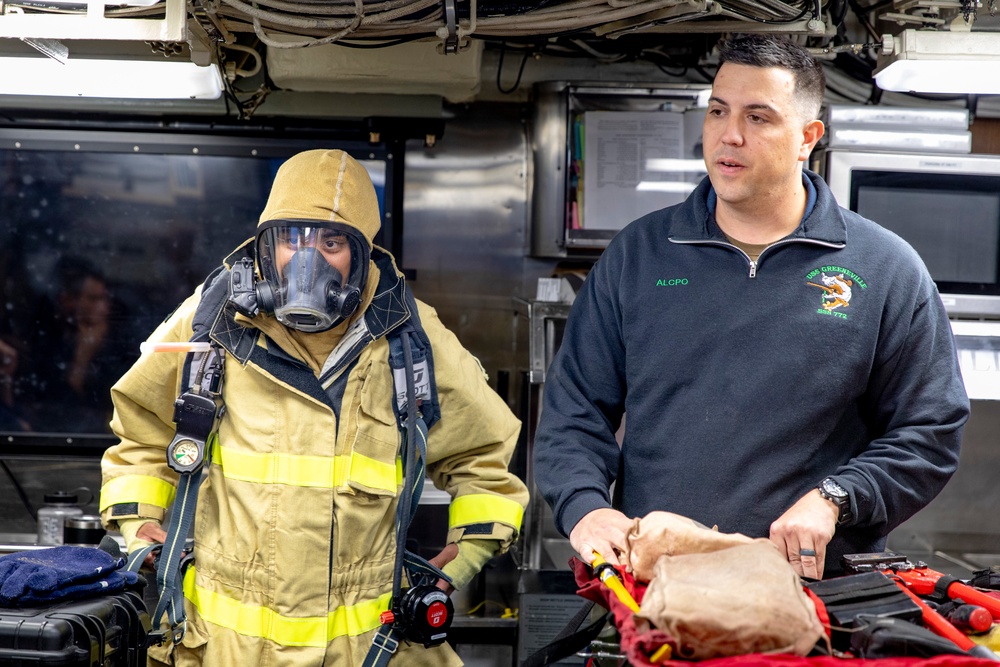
{"x": 294, "y": 536}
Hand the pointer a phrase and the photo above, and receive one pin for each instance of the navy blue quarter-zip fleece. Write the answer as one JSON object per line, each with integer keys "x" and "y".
{"x": 746, "y": 383}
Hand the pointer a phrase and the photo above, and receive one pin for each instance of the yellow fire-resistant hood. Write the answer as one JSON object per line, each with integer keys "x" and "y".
{"x": 324, "y": 185}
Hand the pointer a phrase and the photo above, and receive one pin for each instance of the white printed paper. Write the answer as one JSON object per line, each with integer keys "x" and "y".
{"x": 618, "y": 183}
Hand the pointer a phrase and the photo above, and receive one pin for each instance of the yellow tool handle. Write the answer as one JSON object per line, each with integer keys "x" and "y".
{"x": 606, "y": 573}
{"x": 661, "y": 654}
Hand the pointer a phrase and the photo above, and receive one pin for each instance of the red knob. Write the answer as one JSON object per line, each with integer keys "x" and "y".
{"x": 437, "y": 614}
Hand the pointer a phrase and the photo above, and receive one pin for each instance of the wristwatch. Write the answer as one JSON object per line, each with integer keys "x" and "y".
{"x": 837, "y": 495}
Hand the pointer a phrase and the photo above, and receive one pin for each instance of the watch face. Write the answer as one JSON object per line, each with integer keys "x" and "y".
{"x": 834, "y": 489}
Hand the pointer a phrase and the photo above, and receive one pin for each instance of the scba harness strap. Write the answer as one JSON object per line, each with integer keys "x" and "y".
{"x": 197, "y": 412}
{"x": 423, "y": 613}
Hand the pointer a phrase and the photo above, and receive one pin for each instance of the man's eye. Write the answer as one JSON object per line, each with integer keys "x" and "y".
{"x": 288, "y": 236}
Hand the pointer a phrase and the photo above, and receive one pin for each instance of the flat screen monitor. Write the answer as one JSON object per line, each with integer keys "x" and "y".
{"x": 952, "y": 221}
{"x": 101, "y": 237}
{"x": 946, "y": 206}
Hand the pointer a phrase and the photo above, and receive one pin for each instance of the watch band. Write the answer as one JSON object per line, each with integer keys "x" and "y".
{"x": 837, "y": 495}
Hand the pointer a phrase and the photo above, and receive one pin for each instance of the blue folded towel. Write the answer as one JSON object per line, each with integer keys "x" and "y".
{"x": 60, "y": 573}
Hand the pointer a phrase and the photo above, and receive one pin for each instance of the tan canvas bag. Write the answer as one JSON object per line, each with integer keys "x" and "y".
{"x": 740, "y": 599}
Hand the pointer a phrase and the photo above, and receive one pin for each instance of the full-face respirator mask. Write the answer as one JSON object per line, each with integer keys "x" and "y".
{"x": 313, "y": 274}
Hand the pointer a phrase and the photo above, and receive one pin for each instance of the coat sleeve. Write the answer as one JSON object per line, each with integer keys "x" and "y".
{"x": 576, "y": 455}
{"x": 470, "y": 448}
{"x": 137, "y": 483}
{"x": 918, "y": 407}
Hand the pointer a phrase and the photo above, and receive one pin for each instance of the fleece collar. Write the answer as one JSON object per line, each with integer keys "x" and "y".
{"x": 824, "y": 221}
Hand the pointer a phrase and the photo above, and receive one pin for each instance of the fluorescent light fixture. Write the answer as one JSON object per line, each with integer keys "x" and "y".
{"x": 90, "y": 22}
{"x": 929, "y": 61}
{"x": 907, "y": 139}
{"x": 82, "y": 4}
{"x": 124, "y": 79}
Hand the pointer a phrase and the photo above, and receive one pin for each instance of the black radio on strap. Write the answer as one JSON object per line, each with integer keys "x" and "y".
{"x": 196, "y": 413}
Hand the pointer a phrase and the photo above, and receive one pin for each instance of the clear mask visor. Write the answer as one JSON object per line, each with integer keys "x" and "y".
{"x": 315, "y": 272}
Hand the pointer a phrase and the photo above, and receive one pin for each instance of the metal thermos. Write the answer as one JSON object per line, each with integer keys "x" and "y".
{"x": 52, "y": 516}
{"x": 84, "y": 530}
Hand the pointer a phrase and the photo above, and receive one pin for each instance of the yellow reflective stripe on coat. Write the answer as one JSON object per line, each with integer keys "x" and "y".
{"x": 484, "y": 508}
{"x": 256, "y": 621}
{"x": 141, "y": 489}
{"x": 312, "y": 471}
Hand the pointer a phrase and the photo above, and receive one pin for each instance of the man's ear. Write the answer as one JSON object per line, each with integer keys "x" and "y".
{"x": 811, "y": 134}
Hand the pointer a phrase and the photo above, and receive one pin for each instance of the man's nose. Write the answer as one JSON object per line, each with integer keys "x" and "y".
{"x": 732, "y": 131}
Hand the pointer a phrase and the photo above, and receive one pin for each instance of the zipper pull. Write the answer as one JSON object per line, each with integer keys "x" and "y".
{"x": 753, "y": 269}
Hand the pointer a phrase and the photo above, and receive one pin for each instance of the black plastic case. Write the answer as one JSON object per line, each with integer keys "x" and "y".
{"x": 109, "y": 631}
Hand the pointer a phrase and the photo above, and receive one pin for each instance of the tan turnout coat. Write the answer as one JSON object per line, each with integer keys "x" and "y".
{"x": 294, "y": 532}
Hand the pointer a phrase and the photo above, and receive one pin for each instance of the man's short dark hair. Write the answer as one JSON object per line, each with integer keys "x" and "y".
{"x": 770, "y": 51}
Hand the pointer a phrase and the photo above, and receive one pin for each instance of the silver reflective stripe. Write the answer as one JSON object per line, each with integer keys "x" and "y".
{"x": 421, "y": 382}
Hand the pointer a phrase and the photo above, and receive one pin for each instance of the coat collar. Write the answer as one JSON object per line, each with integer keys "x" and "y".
{"x": 388, "y": 307}
{"x": 387, "y": 311}
{"x": 695, "y": 222}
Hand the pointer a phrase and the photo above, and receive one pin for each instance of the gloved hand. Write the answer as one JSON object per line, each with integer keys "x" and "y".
{"x": 136, "y": 537}
{"x": 59, "y": 572}
{"x": 472, "y": 556}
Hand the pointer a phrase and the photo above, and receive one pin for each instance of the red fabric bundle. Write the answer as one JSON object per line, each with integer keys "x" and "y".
{"x": 638, "y": 647}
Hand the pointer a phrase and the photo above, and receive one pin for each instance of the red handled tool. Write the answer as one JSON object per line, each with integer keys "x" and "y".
{"x": 922, "y": 580}
{"x": 969, "y": 618}
{"x": 916, "y": 580}
{"x": 938, "y": 623}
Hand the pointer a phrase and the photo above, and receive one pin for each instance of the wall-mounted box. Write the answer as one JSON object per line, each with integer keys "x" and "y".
{"x": 606, "y": 154}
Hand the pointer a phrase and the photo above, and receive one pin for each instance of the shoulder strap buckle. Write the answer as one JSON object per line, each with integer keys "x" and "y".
{"x": 384, "y": 639}
{"x": 178, "y": 631}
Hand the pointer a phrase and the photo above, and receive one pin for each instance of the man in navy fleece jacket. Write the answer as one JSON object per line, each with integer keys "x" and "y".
{"x": 787, "y": 366}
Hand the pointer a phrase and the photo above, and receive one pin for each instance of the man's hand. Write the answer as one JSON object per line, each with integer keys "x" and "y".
{"x": 151, "y": 532}
{"x": 803, "y": 532}
{"x": 446, "y": 556}
{"x": 602, "y": 531}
